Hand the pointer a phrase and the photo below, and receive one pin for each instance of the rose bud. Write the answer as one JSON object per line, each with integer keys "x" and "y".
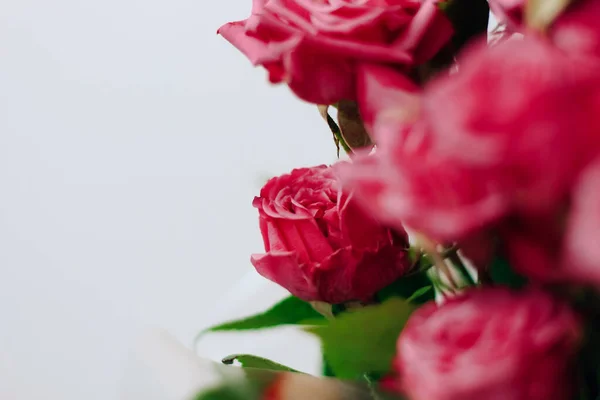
{"x": 489, "y": 344}
{"x": 315, "y": 46}
{"x": 320, "y": 245}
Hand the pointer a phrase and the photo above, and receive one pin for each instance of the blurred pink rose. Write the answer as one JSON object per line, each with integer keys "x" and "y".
{"x": 577, "y": 31}
{"x": 516, "y": 108}
{"x": 409, "y": 184}
{"x": 315, "y": 46}
{"x": 320, "y": 245}
{"x": 560, "y": 246}
{"x": 489, "y": 344}
{"x": 508, "y": 132}
{"x": 406, "y": 181}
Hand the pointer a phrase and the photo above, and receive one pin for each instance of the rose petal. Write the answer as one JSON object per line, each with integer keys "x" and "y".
{"x": 284, "y": 269}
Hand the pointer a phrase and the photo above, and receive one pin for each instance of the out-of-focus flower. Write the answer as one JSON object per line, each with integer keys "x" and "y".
{"x": 489, "y": 344}
{"x": 508, "y": 132}
{"x": 521, "y": 109}
{"x": 577, "y": 31}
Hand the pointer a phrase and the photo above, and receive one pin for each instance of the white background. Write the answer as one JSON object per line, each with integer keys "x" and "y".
{"x": 132, "y": 140}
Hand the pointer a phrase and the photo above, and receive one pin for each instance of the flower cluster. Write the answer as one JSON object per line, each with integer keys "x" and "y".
{"x": 486, "y": 148}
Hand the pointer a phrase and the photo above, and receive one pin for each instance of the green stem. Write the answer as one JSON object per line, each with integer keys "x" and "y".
{"x": 338, "y": 134}
{"x": 439, "y": 287}
{"x": 372, "y": 387}
{"x": 461, "y": 268}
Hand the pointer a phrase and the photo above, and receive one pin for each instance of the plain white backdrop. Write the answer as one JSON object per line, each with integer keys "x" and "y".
{"x": 132, "y": 140}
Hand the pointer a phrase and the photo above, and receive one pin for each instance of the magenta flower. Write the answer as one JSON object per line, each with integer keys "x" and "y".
{"x": 315, "y": 46}
{"x": 320, "y": 245}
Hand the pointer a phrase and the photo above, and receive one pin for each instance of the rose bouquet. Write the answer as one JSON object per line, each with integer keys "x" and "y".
{"x": 456, "y": 253}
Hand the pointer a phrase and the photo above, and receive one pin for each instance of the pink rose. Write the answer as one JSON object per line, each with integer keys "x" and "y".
{"x": 577, "y": 31}
{"x": 315, "y": 46}
{"x": 320, "y": 245}
{"x": 432, "y": 195}
{"x": 406, "y": 181}
{"x": 516, "y": 108}
{"x": 508, "y": 132}
{"x": 560, "y": 246}
{"x": 489, "y": 344}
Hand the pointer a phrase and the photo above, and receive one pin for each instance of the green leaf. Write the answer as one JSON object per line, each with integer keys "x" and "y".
{"x": 420, "y": 292}
{"x": 250, "y": 361}
{"x": 326, "y": 369}
{"x": 290, "y": 311}
{"x": 407, "y": 288}
{"x": 363, "y": 341}
{"x": 502, "y": 273}
{"x": 250, "y": 387}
